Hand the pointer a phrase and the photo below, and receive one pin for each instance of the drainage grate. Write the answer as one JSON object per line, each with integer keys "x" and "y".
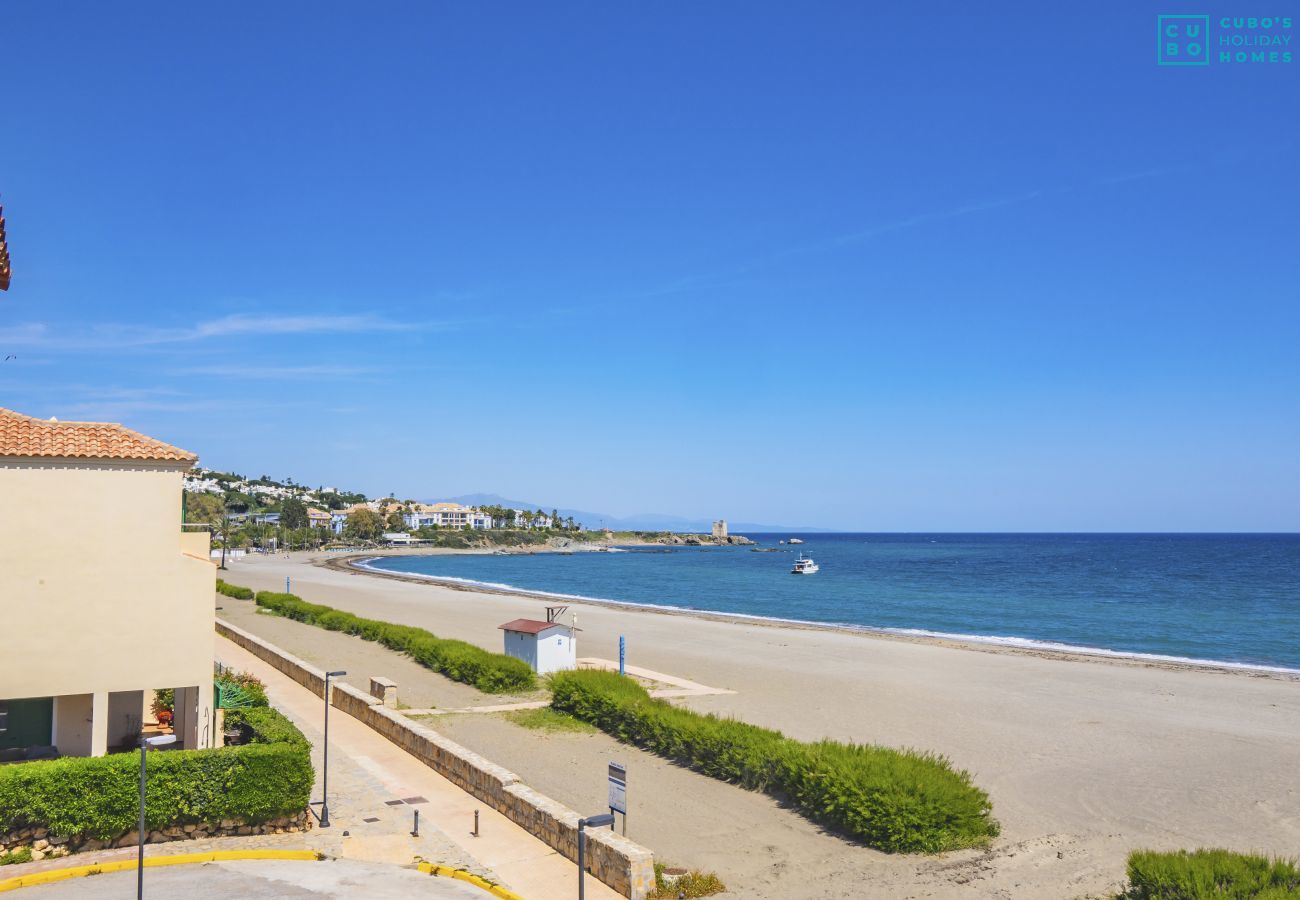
{"x": 414, "y": 800}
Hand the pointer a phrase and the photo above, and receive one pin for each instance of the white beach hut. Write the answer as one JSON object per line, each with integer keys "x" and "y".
{"x": 546, "y": 646}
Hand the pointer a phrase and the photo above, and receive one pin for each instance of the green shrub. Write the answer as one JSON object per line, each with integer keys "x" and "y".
{"x": 248, "y": 684}
{"x": 494, "y": 673}
{"x": 266, "y": 726}
{"x": 98, "y": 797}
{"x": 1217, "y": 874}
{"x": 14, "y": 857}
{"x": 894, "y": 800}
{"x": 234, "y": 590}
{"x": 164, "y": 700}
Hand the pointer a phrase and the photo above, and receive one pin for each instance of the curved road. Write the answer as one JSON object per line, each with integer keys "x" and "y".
{"x": 261, "y": 880}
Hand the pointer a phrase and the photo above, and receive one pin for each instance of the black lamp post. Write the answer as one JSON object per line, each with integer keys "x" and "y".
{"x": 325, "y": 766}
{"x": 594, "y": 822}
{"x": 160, "y": 740}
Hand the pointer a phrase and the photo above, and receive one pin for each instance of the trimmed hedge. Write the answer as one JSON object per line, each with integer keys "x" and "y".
{"x": 494, "y": 673}
{"x": 98, "y": 797}
{"x": 1203, "y": 874}
{"x": 234, "y": 590}
{"x": 899, "y": 801}
{"x": 267, "y": 726}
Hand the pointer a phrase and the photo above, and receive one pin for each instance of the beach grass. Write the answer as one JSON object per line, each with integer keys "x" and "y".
{"x": 548, "y": 719}
{"x": 898, "y": 801}
{"x": 691, "y": 884}
{"x": 1210, "y": 873}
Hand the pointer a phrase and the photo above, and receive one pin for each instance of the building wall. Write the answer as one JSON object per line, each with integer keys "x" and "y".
{"x": 72, "y": 724}
{"x": 555, "y": 651}
{"x": 521, "y": 646}
{"x": 97, "y": 589}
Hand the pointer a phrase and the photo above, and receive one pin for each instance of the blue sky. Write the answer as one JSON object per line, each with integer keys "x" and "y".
{"x": 982, "y": 267}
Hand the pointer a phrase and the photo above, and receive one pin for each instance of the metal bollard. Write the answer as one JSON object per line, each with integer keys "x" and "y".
{"x": 415, "y": 830}
{"x": 475, "y": 831}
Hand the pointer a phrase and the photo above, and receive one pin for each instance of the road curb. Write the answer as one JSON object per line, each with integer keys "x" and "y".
{"x": 179, "y": 859}
{"x": 495, "y": 890}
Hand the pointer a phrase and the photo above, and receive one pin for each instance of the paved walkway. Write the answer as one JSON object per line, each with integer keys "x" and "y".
{"x": 262, "y": 880}
{"x": 372, "y": 778}
{"x": 675, "y": 687}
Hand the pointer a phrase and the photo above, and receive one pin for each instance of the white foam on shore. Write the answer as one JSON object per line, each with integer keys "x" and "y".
{"x": 995, "y": 640}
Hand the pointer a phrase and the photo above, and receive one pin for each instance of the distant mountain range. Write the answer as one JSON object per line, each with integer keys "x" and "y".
{"x": 640, "y": 522}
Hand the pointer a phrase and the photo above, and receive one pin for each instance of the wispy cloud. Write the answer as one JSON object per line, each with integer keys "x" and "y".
{"x": 125, "y": 410}
{"x": 927, "y": 219}
{"x": 1158, "y": 172}
{"x": 272, "y": 373}
{"x": 114, "y": 335}
{"x": 270, "y": 325}
{"x": 732, "y": 276}
{"x": 744, "y": 272}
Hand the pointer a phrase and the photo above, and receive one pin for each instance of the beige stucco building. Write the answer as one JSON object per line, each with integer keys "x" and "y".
{"x": 104, "y": 596}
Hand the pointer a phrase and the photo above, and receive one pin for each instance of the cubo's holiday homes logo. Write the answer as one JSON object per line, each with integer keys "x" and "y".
{"x": 1195, "y": 40}
{"x": 1183, "y": 40}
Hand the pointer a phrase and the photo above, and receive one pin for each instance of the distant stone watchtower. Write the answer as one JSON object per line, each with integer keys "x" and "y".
{"x": 720, "y": 528}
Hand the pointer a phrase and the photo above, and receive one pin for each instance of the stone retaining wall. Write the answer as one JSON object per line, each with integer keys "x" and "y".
{"x": 44, "y": 844}
{"x": 624, "y": 865}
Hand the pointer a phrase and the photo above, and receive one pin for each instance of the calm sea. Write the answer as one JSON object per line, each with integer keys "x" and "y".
{"x": 1231, "y": 598}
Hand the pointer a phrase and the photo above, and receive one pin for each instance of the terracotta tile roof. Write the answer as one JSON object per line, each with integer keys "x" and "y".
{"x": 24, "y": 436}
{"x": 530, "y": 626}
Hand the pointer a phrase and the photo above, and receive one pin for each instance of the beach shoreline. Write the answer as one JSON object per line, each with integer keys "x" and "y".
{"x": 1085, "y": 758}
{"x": 354, "y": 563}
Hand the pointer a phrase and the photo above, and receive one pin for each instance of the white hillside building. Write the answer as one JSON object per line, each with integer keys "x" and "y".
{"x": 447, "y": 515}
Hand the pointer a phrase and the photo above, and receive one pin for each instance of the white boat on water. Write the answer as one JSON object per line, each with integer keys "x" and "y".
{"x": 795, "y": 541}
{"x": 804, "y": 566}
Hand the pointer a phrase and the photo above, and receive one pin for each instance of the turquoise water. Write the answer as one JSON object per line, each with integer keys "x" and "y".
{"x": 1232, "y": 598}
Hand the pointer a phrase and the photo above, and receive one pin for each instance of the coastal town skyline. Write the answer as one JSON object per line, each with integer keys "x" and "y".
{"x": 768, "y": 262}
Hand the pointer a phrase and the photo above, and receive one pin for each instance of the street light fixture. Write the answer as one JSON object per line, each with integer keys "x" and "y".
{"x": 161, "y": 740}
{"x": 590, "y": 822}
{"x": 325, "y": 766}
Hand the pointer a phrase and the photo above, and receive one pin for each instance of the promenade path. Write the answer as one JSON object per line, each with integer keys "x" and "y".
{"x": 372, "y": 778}
{"x": 674, "y": 688}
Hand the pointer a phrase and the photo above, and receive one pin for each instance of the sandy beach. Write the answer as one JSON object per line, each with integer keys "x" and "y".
{"x": 1085, "y": 758}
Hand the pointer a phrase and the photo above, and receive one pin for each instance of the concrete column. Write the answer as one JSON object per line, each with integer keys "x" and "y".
{"x": 183, "y": 717}
{"x": 193, "y": 722}
{"x": 206, "y": 716}
{"x": 99, "y": 723}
